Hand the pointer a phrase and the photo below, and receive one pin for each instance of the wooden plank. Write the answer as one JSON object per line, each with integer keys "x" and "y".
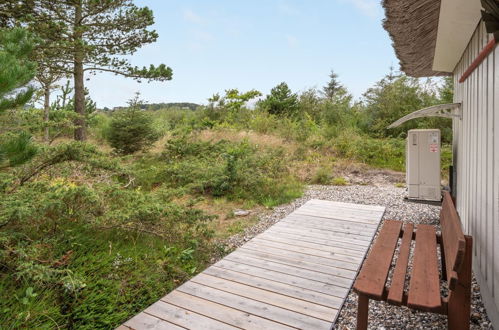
{"x": 300, "y": 282}
{"x": 452, "y": 235}
{"x": 343, "y": 223}
{"x": 272, "y": 298}
{"x": 314, "y": 233}
{"x": 277, "y": 267}
{"x": 146, "y": 321}
{"x": 337, "y": 206}
{"x": 184, "y": 317}
{"x": 338, "y": 211}
{"x": 374, "y": 272}
{"x": 326, "y": 242}
{"x": 301, "y": 263}
{"x": 122, "y": 327}
{"x": 396, "y": 293}
{"x": 297, "y": 257}
{"x": 346, "y": 205}
{"x": 220, "y": 312}
{"x": 333, "y": 253}
{"x": 273, "y": 239}
{"x": 250, "y": 306}
{"x": 278, "y": 287}
{"x": 325, "y": 233}
{"x": 284, "y": 242}
{"x": 338, "y": 216}
{"x": 320, "y": 223}
{"x": 424, "y": 289}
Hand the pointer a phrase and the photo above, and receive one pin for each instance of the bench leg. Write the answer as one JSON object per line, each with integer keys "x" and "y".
{"x": 362, "y": 312}
{"x": 459, "y": 306}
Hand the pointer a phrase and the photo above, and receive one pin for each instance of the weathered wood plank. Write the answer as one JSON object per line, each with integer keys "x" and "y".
{"x": 330, "y": 289}
{"x": 318, "y": 230}
{"x": 298, "y": 256}
{"x": 254, "y": 307}
{"x": 326, "y": 242}
{"x": 278, "y": 287}
{"x": 274, "y": 266}
{"x": 374, "y": 272}
{"x": 355, "y": 214}
{"x": 314, "y": 233}
{"x": 329, "y": 215}
{"x": 424, "y": 289}
{"x": 301, "y": 263}
{"x": 336, "y": 222}
{"x": 146, "y": 321}
{"x": 184, "y": 317}
{"x": 220, "y": 312}
{"x": 336, "y": 204}
{"x": 311, "y": 242}
{"x": 308, "y": 248}
{"x": 332, "y": 226}
{"x": 396, "y": 293}
{"x": 300, "y": 272}
{"x": 269, "y": 297}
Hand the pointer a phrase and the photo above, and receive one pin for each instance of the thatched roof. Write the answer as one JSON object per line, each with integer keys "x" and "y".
{"x": 413, "y": 25}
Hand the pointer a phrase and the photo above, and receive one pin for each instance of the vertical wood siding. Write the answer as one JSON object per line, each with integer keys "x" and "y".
{"x": 476, "y": 159}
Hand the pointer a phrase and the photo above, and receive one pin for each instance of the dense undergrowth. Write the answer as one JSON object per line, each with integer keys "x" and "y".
{"x": 91, "y": 235}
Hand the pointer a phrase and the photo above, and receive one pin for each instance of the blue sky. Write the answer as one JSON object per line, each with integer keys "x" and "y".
{"x": 213, "y": 45}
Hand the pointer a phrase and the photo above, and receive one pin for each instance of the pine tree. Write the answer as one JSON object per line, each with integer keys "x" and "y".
{"x": 333, "y": 86}
{"x": 281, "y": 101}
{"x": 16, "y": 71}
{"x": 83, "y": 37}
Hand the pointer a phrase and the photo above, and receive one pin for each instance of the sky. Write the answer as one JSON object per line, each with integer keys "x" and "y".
{"x": 214, "y": 45}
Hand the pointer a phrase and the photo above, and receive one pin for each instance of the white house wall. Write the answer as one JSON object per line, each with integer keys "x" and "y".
{"x": 476, "y": 161}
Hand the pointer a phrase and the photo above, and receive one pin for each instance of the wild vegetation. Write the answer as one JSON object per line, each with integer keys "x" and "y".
{"x": 93, "y": 231}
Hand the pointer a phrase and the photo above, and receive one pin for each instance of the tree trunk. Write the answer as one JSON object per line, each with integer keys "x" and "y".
{"x": 46, "y": 111}
{"x": 79, "y": 98}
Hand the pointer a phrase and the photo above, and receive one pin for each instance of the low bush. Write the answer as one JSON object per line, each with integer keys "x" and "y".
{"x": 77, "y": 238}
{"x": 131, "y": 130}
{"x": 238, "y": 170}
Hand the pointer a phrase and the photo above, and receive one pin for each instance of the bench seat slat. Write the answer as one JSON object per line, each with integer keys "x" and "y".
{"x": 396, "y": 293}
{"x": 372, "y": 277}
{"x": 424, "y": 289}
{"x": 452, "y": 237}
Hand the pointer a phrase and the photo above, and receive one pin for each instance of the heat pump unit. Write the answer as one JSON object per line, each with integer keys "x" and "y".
{"x": 423, "y": 164}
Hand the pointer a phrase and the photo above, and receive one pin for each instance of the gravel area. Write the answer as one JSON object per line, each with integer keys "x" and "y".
{"x": 381, "y": 315}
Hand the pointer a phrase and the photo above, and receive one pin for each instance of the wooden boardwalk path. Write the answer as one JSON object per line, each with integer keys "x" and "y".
{"x": 296, "y": 274}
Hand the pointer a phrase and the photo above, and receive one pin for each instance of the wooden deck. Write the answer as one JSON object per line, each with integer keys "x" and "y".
{"x": 296, "y": 274}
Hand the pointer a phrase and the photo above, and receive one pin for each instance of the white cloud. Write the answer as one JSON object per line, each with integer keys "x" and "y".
{"x": 292, "y": 40}
{"x": 371, "y": 8}
{"x": 192, "y": 17}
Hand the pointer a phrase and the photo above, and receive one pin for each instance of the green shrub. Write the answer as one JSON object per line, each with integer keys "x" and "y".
{"x": 76, "y": 241}
{"x": 322, "y": 176}
{"x": 131, "y": 130}
{"x": 339, "y": 181}
{"x": 17, "y": 149}
{"x": 281, "y": 101}
{"x": 237, "y": 170}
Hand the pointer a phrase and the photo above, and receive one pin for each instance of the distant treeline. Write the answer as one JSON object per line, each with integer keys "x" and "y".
{"x": 158, "y": 106}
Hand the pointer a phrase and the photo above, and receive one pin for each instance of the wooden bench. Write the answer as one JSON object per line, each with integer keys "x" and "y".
{"x": 424, "y": 285}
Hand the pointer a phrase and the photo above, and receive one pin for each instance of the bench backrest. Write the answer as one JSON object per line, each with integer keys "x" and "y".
{"x": 453, "y": 240}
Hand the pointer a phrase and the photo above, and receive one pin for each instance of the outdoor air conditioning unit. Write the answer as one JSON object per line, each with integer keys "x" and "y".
{"x": 423, "y": 164}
